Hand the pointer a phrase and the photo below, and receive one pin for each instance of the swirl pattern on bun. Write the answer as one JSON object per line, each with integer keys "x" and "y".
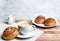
{"x": 10, "y": 33}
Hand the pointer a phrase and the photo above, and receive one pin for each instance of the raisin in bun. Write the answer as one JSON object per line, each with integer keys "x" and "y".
{"x": 50, "y": 22}
{"x": 10, "y": 33}
{"x": 40, "y": 19}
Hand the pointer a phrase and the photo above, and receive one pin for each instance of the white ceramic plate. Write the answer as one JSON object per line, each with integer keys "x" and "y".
{"x": 42, "y": 25}
{"x": 34, "y": 33}
{"x": 26, "y": 35}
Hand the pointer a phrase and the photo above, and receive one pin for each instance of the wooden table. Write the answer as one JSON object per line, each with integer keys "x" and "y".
{"x": 52, "y": 34}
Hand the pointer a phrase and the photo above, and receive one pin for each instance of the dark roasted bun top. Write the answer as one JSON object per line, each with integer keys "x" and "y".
{"x": 50, "y": 22}
{"x": 40, "y": 19}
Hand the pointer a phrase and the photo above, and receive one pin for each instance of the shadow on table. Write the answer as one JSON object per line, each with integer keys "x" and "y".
{"x": 22, "y": 38}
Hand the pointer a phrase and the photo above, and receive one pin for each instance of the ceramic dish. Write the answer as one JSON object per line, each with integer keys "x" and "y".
{"x": 42, "y": 25}
{"x": 34, "y": 33}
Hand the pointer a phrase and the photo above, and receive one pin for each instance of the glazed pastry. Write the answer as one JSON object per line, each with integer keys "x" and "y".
{"x": 10, "y": 33}
{"x": 40, "y": 19}
{"x": 50, "y": 22}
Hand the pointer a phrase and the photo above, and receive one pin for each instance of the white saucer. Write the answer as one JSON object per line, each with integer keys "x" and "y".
{"x": 24, "y": 36}
{"x": 35, "y": 32}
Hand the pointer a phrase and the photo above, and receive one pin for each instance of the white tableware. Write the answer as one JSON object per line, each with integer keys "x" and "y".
{"x": 27, "y": 30}
{"x": 26, "y": 35}
{"x": 25, "y": 27}
{"x": 42, "y": 25}
{"x": 10, "y": 19}
{"x": 32, "y": 34}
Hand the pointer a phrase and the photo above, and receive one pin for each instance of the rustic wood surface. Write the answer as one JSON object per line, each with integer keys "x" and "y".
{"x": 51, "y": 34}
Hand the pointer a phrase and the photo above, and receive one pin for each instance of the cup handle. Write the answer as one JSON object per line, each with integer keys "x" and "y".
{"x": 33, "y": 26}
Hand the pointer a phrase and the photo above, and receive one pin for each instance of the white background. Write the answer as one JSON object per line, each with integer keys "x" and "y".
{"x": 27, "y": 9}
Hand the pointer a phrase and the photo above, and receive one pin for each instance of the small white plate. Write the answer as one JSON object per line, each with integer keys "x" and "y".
{"x": 26, "y": 35}
{"x": 42, "y": 25}
{"x": 35, "y": 32}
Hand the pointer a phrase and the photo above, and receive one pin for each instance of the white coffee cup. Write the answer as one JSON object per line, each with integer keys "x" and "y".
{"x": 27, "y": 30}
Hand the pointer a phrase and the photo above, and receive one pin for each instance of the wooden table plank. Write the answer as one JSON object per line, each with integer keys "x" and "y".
{"x": 52, "y": 34}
